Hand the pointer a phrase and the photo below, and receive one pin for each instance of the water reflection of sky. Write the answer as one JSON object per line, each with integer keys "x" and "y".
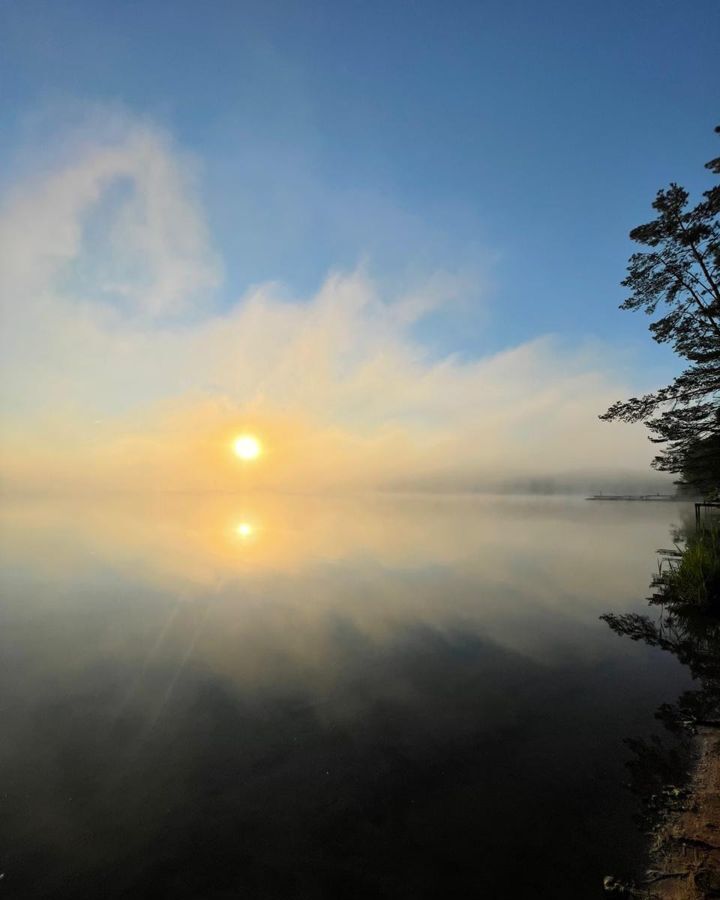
{"x": 274, "y": 697}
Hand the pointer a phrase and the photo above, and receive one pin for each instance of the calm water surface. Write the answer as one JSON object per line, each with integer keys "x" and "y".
{"x": 297, "y": 698}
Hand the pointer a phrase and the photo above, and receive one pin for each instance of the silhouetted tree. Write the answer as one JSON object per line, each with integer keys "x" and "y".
{"x": 680, "y": 273}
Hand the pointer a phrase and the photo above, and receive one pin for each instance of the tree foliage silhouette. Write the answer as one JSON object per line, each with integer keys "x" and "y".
{"x": 679, "y": 274}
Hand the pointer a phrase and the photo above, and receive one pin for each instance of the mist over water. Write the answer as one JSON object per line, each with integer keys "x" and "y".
{"x": 265, "y": 696}
{"x": 315, "y": 336}
{"x": 108, "y": 248}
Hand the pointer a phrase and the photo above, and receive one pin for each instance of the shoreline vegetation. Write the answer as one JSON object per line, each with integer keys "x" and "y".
{"x": 678, "y": 780}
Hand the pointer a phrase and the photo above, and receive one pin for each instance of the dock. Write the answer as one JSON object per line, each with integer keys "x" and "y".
{"x": 704, "y": 506}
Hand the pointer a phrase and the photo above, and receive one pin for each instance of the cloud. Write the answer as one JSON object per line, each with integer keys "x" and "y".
{"x": 121, "y": 368}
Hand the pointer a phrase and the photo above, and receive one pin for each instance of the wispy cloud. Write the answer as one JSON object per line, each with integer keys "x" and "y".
{"x": 119, "y": 368}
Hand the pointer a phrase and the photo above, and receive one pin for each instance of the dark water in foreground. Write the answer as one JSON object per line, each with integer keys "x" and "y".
{"x": 266, "y": 698}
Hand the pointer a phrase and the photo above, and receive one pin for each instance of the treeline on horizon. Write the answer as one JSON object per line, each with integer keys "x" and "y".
{"x": 552, "y": 483}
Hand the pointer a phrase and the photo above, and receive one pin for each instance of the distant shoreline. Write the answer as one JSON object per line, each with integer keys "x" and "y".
{"x": 641, "y": 497}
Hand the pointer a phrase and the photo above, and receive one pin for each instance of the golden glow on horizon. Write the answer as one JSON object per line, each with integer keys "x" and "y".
{"x": 247, "y": 447}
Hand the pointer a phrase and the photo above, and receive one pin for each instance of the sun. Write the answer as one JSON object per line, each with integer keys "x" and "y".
{"x": 247, "y": 447}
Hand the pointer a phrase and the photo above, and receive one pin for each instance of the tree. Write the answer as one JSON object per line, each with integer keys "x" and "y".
{"x": 680, "y": 274}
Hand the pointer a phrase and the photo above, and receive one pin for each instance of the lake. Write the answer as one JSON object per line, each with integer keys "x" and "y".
{"x": 366, "y": 697}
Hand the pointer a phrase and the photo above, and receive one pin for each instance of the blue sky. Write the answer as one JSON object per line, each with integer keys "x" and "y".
{"x": 522, "y": 139}
{"x": 510, "y": 145}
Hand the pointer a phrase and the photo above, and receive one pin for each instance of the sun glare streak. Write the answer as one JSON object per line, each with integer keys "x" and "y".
{"x": 247, "y": 447}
